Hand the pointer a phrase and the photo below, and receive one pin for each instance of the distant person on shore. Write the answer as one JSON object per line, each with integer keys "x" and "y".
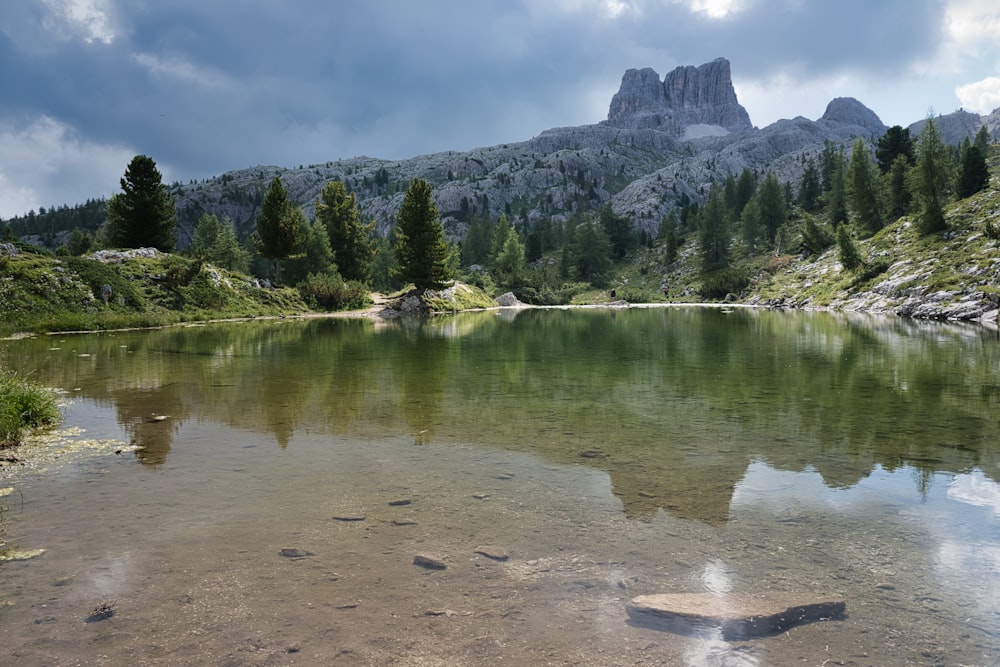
{"x": 614, "y": 294}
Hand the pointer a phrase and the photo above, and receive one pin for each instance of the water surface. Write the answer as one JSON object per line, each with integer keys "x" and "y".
{"x": 610, "y": 453}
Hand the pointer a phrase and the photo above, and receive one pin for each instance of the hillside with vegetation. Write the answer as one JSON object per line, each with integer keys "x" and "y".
{"x": 676, "y": 196}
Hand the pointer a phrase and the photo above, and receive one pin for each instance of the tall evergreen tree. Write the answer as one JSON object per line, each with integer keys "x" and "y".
{"x": 973, "y": 174}
{"x": 751, "y": 226}
{"x": 351, "y": 240}
{"x": 829, "y": 160}
{"x": 713, "y": 232}
{"x": 420, "y": 248}
{"x": 894, "y": 143}
{"x": 279, "y": 227}
{"x": 478, "y": 241}
{"x": 810, "y": 188}
{"x": 836, "y": 194}
{"x": 217, "y": 243}
{"x": 314, "y": 255}
{"x": 929, "y": 179}
{"x": 142, "y": 214}
{"x": 591, "y": 252}
{"x": 850, "y": 258}
{"x": 982, "y": 140}
{"x": 502, "y": 230}
{"x": 898, "y": 197}
{"x": 746, "y": 187}
{"x": 772, "y": 207}
{"x": 619, "y": 230}
{"x": 862, "y": 189}
{"x": 670, "y": 247}
{"x": 509, "y": 264}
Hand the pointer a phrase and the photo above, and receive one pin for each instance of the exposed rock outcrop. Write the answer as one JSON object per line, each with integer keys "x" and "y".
{"x": 952, "y": 127}
{"x": 702, "y": 96}
{"x": 848, "y": 111}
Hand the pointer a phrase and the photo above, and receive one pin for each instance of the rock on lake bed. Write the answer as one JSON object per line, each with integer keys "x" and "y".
{"x": 739, "y": 615}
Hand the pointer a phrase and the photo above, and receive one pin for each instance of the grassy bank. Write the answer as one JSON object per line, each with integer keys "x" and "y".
{"x": 42, "y": 293}
{"x": 23, "y": 406}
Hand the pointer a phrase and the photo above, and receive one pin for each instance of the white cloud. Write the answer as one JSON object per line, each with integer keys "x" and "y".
{"x": 970, "y": 22}
{"x": 786, "y": 95}
{"x": 44, "y": 163}
{"x": 976, "y": 489}
{"x": 89, "y": 18}
{"x": 980, "y": 96}
{"x": 716, "y": 9}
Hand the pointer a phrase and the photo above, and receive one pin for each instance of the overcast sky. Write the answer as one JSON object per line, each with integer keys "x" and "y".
{"x": 207, "y": 86}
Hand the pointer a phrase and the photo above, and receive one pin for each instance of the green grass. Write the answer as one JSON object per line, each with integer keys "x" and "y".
{"x": 24, "y": 406}
{"x": 45, "y": 293}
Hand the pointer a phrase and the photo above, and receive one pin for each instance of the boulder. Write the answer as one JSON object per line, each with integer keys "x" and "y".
{"x": 508, "y": 300}
{"x": 738, "y": 616}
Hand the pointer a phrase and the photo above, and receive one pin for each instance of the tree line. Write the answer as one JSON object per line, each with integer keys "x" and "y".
{"x": 336, "y": 257}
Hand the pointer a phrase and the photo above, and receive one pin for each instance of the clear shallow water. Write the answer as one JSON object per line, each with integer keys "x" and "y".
{"x": 610, "y": 453}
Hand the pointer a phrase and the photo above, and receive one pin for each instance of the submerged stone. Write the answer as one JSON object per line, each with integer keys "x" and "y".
{"x": 295, "y": 553}
{"x": 492, "y": 551}
{"x": 429, "y": 562}
{"x": 738, "y": 616}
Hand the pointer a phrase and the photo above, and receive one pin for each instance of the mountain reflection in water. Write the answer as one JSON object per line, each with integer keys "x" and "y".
{"x": 677, "y": 448}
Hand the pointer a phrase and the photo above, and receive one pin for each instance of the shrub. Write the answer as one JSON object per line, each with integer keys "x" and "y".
{"x": 719, "y": 284}
{"x": 992, "y": 230}
{"x": 23, "y": 406}
{"x": 636, "y": 295}
{"x": 96, "y": 274}
{"x": 550, "y": 296}
{"x": 330, "y": 292}
{"x": 872, "y": 270}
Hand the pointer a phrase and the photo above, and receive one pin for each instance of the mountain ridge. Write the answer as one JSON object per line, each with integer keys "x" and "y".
{"x": 663, "y": 144}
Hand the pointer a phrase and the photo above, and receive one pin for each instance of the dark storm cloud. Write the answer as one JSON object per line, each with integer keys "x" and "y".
{"x": 205, "y": 86}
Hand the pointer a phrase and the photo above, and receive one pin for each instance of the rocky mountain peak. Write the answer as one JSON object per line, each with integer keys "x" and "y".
{"x": 849, "y": 111}
{"x": 700, "y": 97}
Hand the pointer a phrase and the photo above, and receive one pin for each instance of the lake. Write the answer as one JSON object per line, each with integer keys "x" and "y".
{"x": 256, "y": 493}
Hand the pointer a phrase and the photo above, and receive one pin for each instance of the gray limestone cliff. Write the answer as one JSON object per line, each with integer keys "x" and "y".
{"x": 689, "y": 100}
{"x": 664, "y": 143}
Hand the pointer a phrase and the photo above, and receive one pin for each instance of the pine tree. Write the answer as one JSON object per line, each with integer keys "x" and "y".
{"x": 929, "y": 179}
{"x": 810, "y": 188}
{"x": 973, "y": 173}
{"x": 80, "y": 241}
{"x": 478, "y": 241}
{"x": 502, "y": 231}
{"x": 713, "y": 232}
{"x": 850, "y": 258}
{"x": 746, "y": 187}
{"x": 591, "y": 252}
{"x": 897, "y": 193}
{"x": 862, "y": 190}
{"x": 772, "y": 207}
{"x": 350, "y": 239}
{"x": 217, "y": 243}
{"x": 279, "y": 227}
{"x": 420, "y": 248}
{"x": 751, "y": 225}
{"x": 619, "y": 230}
{"x": 142, "y": 214}
{"x": 836, "y": 194}
{"x": 314, "y": 255}
{"x": 670, "y": 247}
{"x": 510, "y": 262}
{"x": 894, "y": 143}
